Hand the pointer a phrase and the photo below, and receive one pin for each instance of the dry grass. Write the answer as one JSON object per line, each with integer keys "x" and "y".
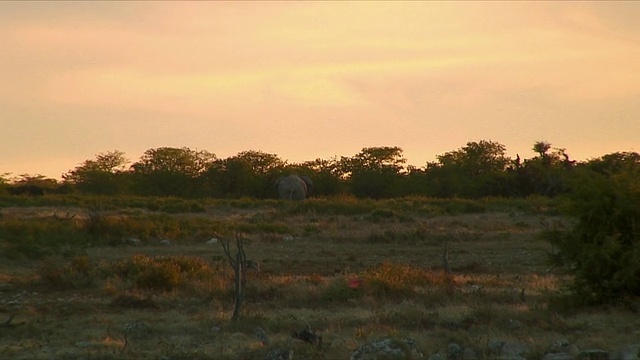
{"x": 175, "y": 301}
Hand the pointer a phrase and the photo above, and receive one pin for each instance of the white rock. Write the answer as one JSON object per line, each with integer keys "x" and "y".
{"x": 132, "y": 241}
{"x": 165, "y": 242}
{"x": 212, "y": 241}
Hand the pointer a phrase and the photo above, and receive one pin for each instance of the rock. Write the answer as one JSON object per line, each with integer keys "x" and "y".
{"x": 438, "y": 356}
{"x": 455, "y": 351}
{"x": 495, "y": 346}
{"x": 387, "y": 348}
{"x": 631, "y": 352}
{"x": 563, "y": 346}
{"x": 212, "y": 241}
{"x": 165, "y": 242}
{"x": 287, "y": 238}
{"x": 279, "y": 354}
{"x": 558, "y": 356}
{"x": 515, "y": 324}
{"x": 594, "y": 354}
{"x": 514, "y": 350}
{"x": 262, "y": 335}
{"x": 469, "y": 354}
{"x": 560, "y": 345}
{"x": 253, "y": 265}
{"x": 132, "y": 241}
{"x": 307, "y": 335}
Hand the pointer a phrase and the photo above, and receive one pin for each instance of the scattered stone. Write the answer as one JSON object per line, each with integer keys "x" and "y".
{"x": 287, "y": 238}
{"x": 387, "y": 348}
{"x": 212, "y": 241}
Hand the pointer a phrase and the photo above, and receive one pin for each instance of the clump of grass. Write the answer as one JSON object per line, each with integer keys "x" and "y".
{"x": 399, "y": 280}
{"x": 407, "y": 315}
{"x": 338, "y": 291}
{"x": 162, "y": 272}
{"x": 37, "y": 238}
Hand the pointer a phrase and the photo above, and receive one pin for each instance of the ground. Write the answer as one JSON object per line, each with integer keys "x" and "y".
{"x": 501, "y": 286}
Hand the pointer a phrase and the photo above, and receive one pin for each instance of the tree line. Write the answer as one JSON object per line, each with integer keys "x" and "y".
{"x": 478, "y": 169}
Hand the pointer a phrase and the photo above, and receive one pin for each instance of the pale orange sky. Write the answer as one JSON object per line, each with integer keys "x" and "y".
{"x": 308, "y": 80}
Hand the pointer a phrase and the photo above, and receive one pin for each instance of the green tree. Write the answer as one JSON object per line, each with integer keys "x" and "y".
{"x": 103, "y": 175}
{"x": 374, "y": 172}
{"x": 249, "y": 173}
{"x": 475, "y": 170}
{"x": 169, "y": 171}
{"x": 326, "y": 175}
{"x": 615, "y": 163}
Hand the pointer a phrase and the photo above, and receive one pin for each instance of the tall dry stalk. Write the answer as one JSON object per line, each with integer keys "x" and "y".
{"x": 239, "y": 264}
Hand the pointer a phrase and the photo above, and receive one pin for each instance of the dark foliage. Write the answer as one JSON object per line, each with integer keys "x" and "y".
{"x": 602, "y": 250}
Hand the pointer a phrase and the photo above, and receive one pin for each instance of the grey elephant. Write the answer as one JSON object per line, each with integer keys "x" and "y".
{"x": 294, "y": 187}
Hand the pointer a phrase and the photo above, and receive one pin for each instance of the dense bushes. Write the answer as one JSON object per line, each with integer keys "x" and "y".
{"x": 603, "y": 248}
{"x": 476, "y": 170}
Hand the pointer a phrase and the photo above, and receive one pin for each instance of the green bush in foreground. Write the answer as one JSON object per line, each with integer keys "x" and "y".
{"x": 603, "y": 248}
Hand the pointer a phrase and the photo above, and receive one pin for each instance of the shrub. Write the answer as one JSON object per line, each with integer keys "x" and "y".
{"x": 78, "y": 273}
{"x": 603, "y": 247}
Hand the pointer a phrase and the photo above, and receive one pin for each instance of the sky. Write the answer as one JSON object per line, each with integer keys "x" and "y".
{"x": 307, "y": 80}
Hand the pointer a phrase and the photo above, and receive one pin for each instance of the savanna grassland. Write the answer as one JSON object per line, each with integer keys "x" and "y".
{"x": 74, "y": 284}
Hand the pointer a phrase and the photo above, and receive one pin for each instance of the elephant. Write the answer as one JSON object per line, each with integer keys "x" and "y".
{"x": 294, "y": 187}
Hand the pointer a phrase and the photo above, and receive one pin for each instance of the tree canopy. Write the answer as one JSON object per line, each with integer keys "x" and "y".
{"x": 477, "y": 169}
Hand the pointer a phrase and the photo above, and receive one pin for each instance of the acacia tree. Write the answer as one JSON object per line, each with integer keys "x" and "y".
{"x": 103, "y": 175}
{"x": 545, "y": 174}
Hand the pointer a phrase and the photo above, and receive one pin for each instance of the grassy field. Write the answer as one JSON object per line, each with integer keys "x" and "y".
{"x": 72, "y": 288}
